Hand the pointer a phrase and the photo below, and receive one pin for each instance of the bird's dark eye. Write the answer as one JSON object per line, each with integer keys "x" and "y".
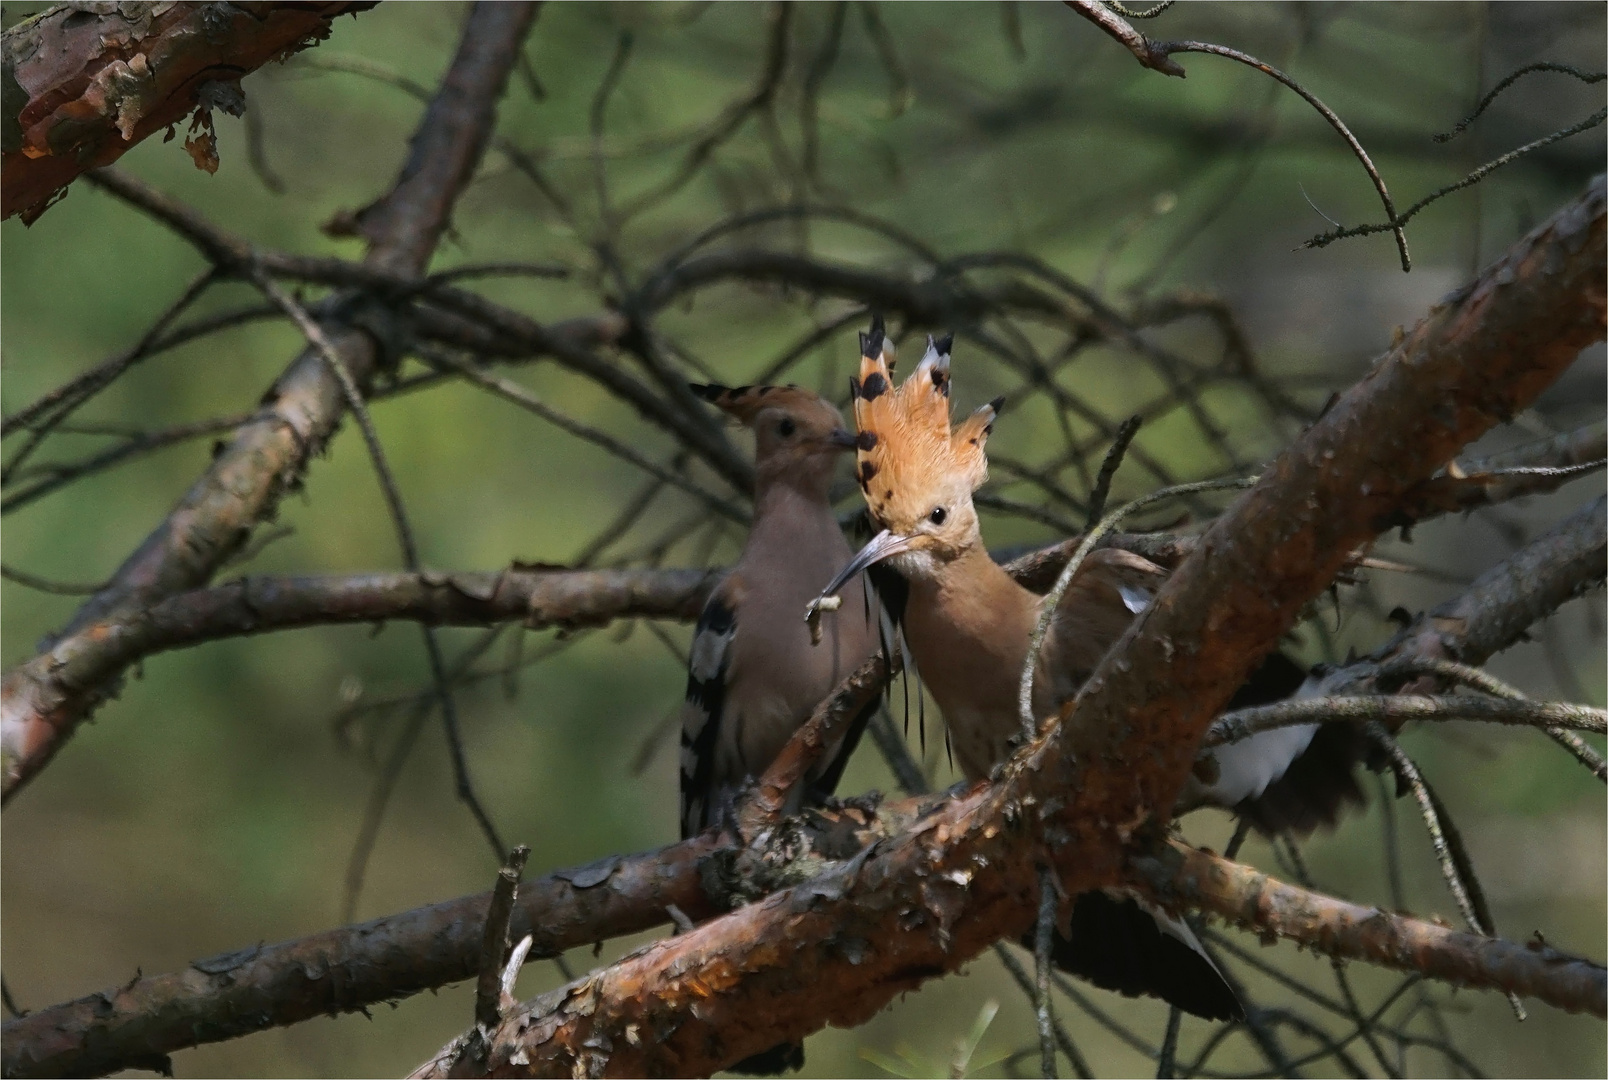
{"x": 938, "y": 515}
{"x": 786, "y": 428}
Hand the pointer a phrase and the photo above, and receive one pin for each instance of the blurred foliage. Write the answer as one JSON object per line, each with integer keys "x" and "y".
{"x": 213, "y": 806}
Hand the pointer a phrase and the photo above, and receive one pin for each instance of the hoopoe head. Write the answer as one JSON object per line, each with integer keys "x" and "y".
{"x": 917, "y": 474}
{"x": 797, "y": 434}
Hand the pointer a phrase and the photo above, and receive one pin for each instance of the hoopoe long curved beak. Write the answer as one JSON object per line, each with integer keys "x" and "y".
{"x": 842, "y": 439}
{"x": 881, "y": 546}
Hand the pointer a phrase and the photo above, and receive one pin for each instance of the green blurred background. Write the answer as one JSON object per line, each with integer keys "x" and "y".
{"x": 212, "y": 806}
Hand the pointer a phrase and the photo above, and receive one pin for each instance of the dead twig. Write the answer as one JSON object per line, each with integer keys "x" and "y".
{"x": 494, "y": 946}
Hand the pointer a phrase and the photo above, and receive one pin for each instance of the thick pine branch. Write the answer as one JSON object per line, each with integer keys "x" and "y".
{"x": 400, "y": 954}
{"x": 838, "y": 948}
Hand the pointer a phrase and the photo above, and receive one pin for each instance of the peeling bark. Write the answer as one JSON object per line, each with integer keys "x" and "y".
{"x": 838, "y": 948}
{"x": 84, "y": 83}
{"x": 946, "y": 878}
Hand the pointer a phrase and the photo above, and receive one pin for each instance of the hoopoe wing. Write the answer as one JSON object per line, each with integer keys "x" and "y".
{"x": 1289, "y": 779}
{"x": 1294, "y": 778}
{"x": 1119, "y": 943}
{"x": 1111, "y": 587}
{"x": 708, "y": 676}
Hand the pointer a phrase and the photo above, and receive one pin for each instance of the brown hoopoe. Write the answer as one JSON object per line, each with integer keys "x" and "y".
{"x": 752, "y": 676}
{"x": 968, "y": 625}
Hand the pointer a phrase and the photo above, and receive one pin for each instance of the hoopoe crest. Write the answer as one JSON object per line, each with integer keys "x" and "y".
{"x": 792, "y": 427}
{"x": 916, "y": 472}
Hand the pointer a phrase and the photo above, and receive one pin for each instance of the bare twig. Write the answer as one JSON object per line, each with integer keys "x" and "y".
{"x": 778, "y": 18}
{"x": 58, "y": 476}
{"x": 511, "y": 391}
{"x": 1157, "y": 55}
{"x": 1394, "y": 225}
{"x": 405, "y": 538}
{"x": 1396, "y": 710}
{"x": 1167, "y": 1060}
{"x": 495, "y": 943}
{"x": 1464, "y": 888}
{"x": 1043, "y": 1007}
{"x": 63, "y": 401}
{"x": 1108, "y": 469}
{"x": 39, "y": 584}
{"x": 1587, "y": 77}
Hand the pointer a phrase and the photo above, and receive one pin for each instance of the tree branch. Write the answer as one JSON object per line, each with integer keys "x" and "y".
{"x": 1528, "y": 470}
{"x": 837, "y": 949}
{"x": 80, "y": 92}
{"x": 1251, "y": 900}
{"x": 60, "y": 684}
{"x": 344, "y": 970}
{"x": 1398, "y": 709}
{"x": 59, "y": 687}
{"x": 1503, "y": 602}
{"x": 266, "y": 457}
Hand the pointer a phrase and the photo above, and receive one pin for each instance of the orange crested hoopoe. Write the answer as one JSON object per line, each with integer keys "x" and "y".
{"x": 752, "y": 676}
{"x": 968, "y": 625}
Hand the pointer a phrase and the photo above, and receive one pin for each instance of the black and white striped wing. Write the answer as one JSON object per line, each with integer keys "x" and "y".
{"x": 708, "y": 666}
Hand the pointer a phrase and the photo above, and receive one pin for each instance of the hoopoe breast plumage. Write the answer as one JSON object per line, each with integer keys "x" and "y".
{"x": 752, "y": 675}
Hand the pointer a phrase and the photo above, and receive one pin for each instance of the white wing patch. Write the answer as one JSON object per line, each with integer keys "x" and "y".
{"x": 708, "y": 654}
{"x": 1247, "y": 767}
{"x": 1135, "y": 600}
{"x": 703, "y": 711}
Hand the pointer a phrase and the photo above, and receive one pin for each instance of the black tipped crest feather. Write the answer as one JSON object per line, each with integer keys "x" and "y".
{"x": 873, "y": 340}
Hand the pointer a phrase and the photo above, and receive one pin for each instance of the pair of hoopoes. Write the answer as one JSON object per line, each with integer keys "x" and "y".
{"x": 754, "y": 675}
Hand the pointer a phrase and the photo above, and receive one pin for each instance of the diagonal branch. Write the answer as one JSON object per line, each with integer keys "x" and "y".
{"x": 267, "y": 456}
{"x": 1157, "y": 55}
{"x": 1252, "y": 900}
{"x": 91, "y": 661}
{"x": 1494, "y": 612}
{"x": 923, "y": 902}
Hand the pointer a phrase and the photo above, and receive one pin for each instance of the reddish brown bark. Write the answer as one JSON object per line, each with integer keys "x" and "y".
{"x": 413, "y": 950}
{"x": 1480, "y": 357}
{"x": 83, "y": 87}
{"x": 835, "y": 950}
{"x": 934, "y": 918}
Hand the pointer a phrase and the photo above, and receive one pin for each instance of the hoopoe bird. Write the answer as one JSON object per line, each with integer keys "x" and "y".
{"x": 752, "y": 676}
{"x": 968, "y": 626}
